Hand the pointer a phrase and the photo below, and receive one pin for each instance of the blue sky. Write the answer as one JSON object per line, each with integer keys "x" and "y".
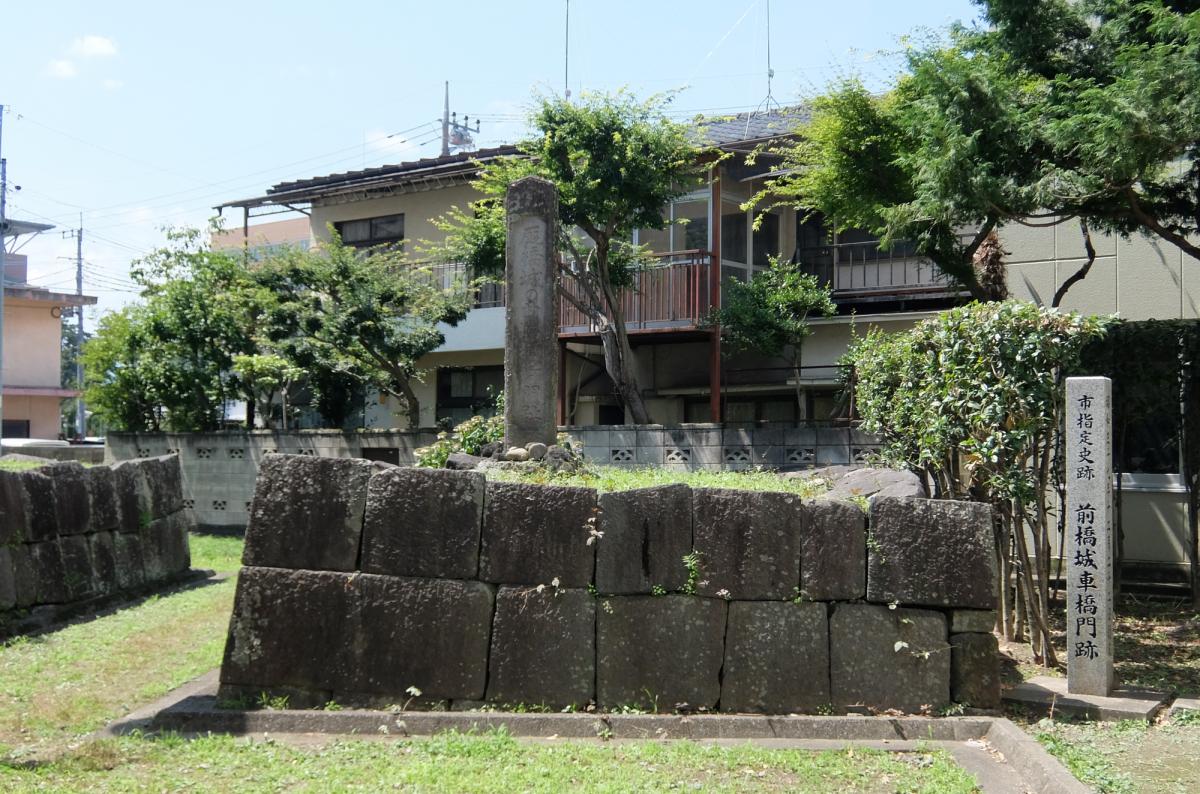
{"x": 141, "y": 114}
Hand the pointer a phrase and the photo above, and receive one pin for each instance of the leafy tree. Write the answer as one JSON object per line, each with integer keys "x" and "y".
{"x": 769, "y": 314}
{"x": 343, "y": 314}
{"x": 1058, "y": 111}
{"x": 616, "y": 162}
{"x": 168, "y": 363}
{"x": 70, "y": 352}
{"x": 973, "y": 401}
{"x": 264, "y": 376}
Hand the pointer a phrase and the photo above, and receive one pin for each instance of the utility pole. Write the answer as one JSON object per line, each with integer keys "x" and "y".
{"x": 80, "y": 408}
{"x": 3, "y": 249}
{"x": 446, "y": 123}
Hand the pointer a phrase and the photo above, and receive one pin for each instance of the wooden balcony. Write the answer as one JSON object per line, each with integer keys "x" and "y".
{"x": 669, "y": 296}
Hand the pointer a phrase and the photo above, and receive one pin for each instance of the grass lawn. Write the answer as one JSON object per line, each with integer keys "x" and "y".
{"x": 481, "y": 762}
{"x": 614, "y": 478}
{"x": 21, "y": 465}
{"x": 55, "y": 687}
{"x": 1157, "y": 646}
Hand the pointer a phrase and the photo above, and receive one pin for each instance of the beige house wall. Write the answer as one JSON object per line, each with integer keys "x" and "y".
{"x": 418, "y": 207}
{"x": 290, "y": 230}
{"x": 32, "y": 344}
{"x": 1138, "y": 278}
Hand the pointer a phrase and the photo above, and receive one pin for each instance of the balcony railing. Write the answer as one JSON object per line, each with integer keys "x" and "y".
{"x": 485, "y": 296}
{"x": 670, "y": 294}
{"x": 863, "y": 269}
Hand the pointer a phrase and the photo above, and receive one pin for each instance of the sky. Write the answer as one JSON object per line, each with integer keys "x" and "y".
{"x": 127, "y": 117}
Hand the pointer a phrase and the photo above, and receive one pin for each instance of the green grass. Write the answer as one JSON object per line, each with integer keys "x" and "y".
{"x": 219, "y": 553}
{"x": 21, "y": 465}
{"x": 55, "y": 687}
{"x": 480, "y": 763}
{"x": 613, "y": 478}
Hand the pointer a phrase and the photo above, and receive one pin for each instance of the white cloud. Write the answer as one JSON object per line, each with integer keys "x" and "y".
{"x": 111, "y": 84}
{"x": 93, "y": 46}
{"x": 62, "y": 69}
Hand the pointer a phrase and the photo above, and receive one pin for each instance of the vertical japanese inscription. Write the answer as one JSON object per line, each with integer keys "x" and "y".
{"x": 1089, "y": 535}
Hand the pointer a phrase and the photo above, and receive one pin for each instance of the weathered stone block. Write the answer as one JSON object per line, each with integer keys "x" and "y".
{"x": 24, "y": 579}
{"x": 543, "y": 647}
{"x": 888, "y": 658}
{"x": 431, "y": 634}
{"x": 134, "y": 504}
{"x": 164, "y": 482}
{"x": 14, "y": 509}
{"x": 130, "y": 569}
{"x": 78, "y": 574}
{"x": 776, "y": 657}
{"x": 749, "y": 543}
{"x": 72, "y": 511}
{"x": 833, "y": 552}
{"x": 975, "y": 670}
{"x": 39, "y": 495}
{"x": 104, "y": 562}
{"x": 977, "y": 621}
{"x": 423, "y": 522}
{"x": 307, "y": 513}
{"x": 292, "y": 629}
{"x": 931, "y": 552}
{"x": 8, "y": 580}
{"x": 647, "y": 532}
{"x": 165, "y": 549}
{"x": 533, "y": 534}
{"x": 49, "y": 575}
{"x": 102, "y": 498}
{"x": 659, "y": 652}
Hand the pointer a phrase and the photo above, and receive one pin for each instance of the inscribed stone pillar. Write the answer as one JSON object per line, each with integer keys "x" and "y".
{"x": 1089, "y": 536}
{"x": 531, "y": 316}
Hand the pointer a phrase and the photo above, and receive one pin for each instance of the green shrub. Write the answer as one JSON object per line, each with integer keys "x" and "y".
{"x": 468, "y": 437}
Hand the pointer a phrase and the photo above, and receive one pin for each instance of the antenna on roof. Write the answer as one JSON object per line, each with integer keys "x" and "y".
{"x": 455, "y": 134}
{"x": 567, "y": 55}
{"x": 769, "y": 102}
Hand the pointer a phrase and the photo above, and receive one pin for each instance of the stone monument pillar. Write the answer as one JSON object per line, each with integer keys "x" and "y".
{"x": 531, "y": 316}
{"x": 1089, "y": 536}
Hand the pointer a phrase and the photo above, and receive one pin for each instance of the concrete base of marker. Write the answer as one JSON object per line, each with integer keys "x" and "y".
{"x": 1043, "y": 694}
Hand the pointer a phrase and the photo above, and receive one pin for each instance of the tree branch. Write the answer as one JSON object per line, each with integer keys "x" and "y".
{"x": 1082, "y": 272}
{"x": 1154, "y": 225}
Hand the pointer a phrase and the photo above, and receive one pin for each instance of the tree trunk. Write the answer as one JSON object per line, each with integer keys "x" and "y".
{"x": 412, "y": 406}
{"x": 618, "y": 363}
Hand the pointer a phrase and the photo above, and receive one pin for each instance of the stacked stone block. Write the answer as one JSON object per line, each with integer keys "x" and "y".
{"x": 437, "y": 587}
{"x": 71, "y": 534}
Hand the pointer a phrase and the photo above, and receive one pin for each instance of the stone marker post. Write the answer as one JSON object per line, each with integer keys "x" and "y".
{"x": 1090, "y": 536}
{"x": 531, "y": 316}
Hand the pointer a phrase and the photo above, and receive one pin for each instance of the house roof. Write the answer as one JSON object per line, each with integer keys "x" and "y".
{"x": 727, "y": 132}
{"x": 14, "y": 228}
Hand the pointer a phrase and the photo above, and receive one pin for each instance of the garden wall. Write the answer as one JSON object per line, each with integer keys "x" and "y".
{"x": 371, "y": 585}
{"x": 219, "y": 468}
{"x": 70, "y": 534}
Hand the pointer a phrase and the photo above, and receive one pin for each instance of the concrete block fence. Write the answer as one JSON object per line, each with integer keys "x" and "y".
{"x": 70, "y": 534}
{"x": 219, "y": 469}
{"x": 370, "y": 585}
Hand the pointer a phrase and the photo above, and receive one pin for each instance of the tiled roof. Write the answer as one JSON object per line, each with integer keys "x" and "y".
{"x": 727, "y": 130}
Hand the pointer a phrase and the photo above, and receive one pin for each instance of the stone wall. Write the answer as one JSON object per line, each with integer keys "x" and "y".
{"x": 219, "y": 468}
{"x": 372, "y": 585}
{"x": 70, "y": 534}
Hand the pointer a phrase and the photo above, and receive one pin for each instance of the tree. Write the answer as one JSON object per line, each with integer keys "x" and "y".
{"x": 1058, "y": 111}
{"x": 168, "y": 363}
{"x": 769, "y": 314}
{"x": 616, "y": 162}
{"x": 343, "y": 314}
{"x": 70, "y": 355}
{"x": 264, "y": 376}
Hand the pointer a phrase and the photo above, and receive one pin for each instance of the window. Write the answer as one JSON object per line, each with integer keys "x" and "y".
{"x": 463, "y": 392}
{"x": 766, "y": 239}
{"x": 16, "y": 428}
{"x": 372, "y": 231}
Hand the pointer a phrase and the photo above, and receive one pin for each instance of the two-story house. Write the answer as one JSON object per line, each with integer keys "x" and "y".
{"x": 32, "y": 374}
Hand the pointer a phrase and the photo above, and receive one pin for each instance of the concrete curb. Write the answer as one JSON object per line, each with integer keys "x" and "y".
{"x": 1001, "y": 755}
